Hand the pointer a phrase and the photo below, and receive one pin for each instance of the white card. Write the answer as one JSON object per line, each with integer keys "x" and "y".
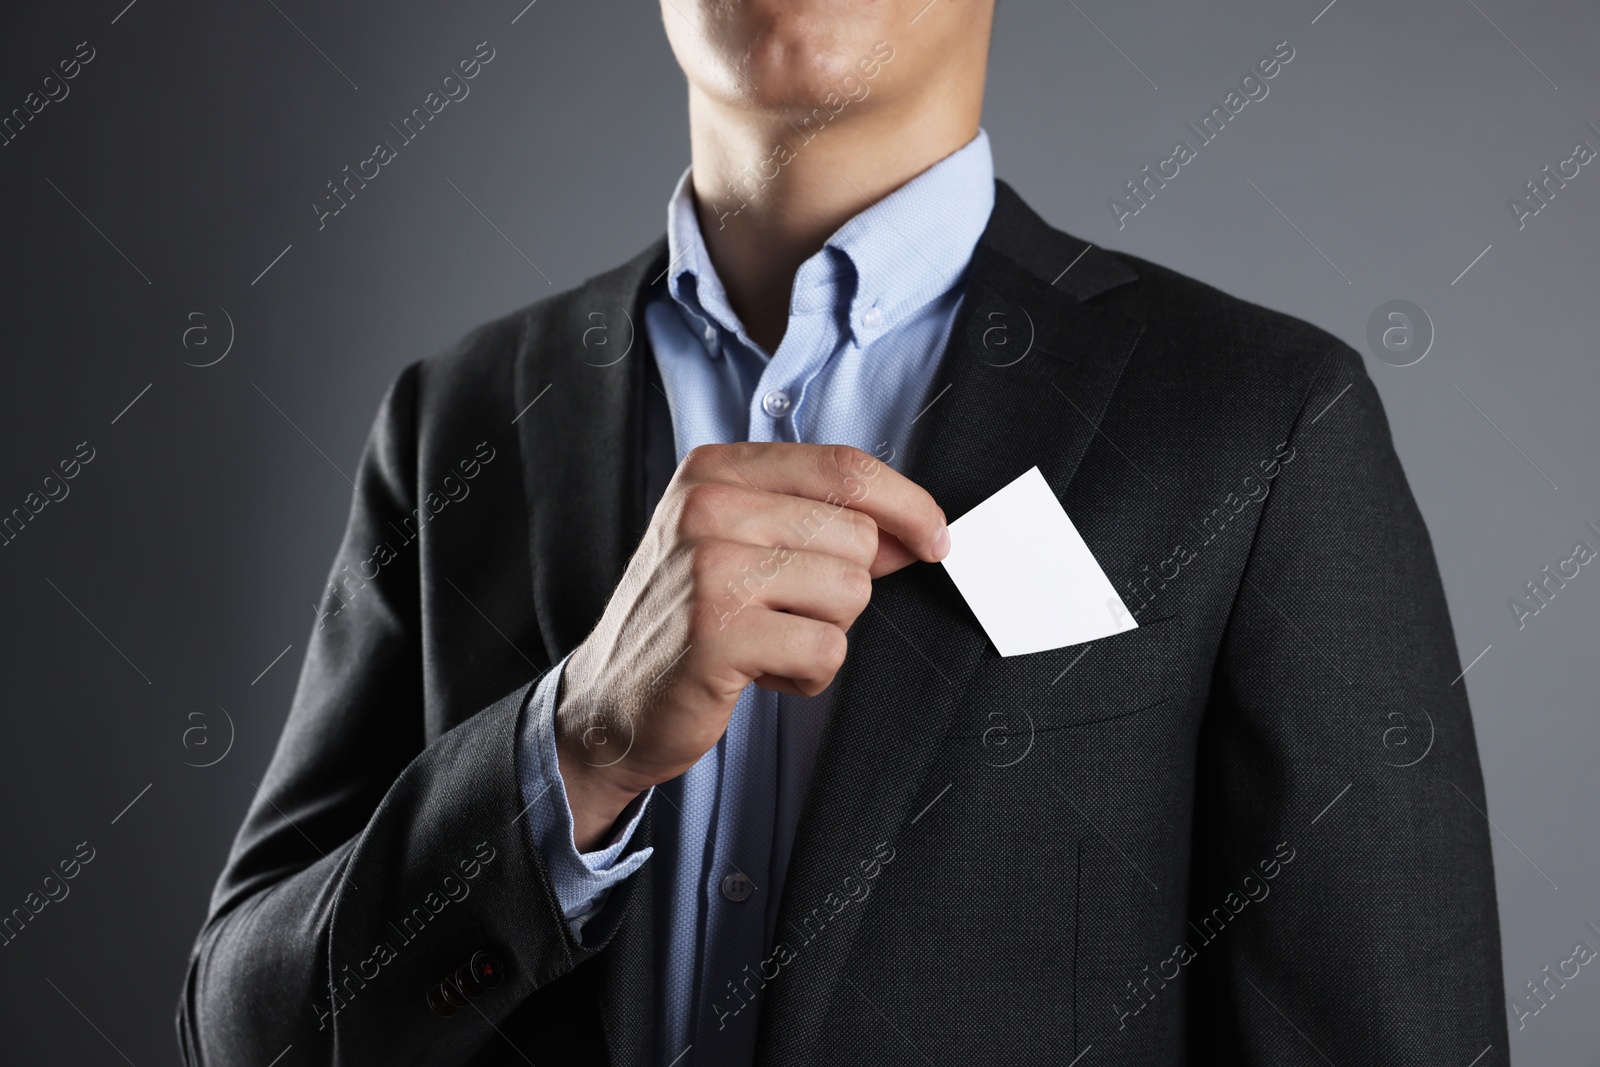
{"x": 1028, "y": 576}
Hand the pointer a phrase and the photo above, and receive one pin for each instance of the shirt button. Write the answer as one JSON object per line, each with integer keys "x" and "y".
{"x": 776, "y": 403}
{"x": 737, "y": 888}
{"x": 872, "y": 318}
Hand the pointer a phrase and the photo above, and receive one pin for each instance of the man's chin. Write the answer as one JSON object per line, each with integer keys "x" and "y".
{"x": 797, "y": 82}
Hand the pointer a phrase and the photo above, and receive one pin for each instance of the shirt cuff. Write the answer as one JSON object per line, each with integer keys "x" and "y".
{"x": 581, "y": 880}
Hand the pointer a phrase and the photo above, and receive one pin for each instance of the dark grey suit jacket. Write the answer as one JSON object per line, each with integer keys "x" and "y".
{"x": 1195, "y": 841}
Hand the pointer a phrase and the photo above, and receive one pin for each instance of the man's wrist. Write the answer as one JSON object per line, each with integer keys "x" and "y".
{"x": 594, "y": 797}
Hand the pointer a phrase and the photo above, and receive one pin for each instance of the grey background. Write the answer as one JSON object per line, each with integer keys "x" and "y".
{"x": 189, "y": 551}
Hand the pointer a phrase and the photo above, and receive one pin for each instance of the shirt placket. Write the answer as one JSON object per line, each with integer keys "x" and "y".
{"x": 734, "y": 888}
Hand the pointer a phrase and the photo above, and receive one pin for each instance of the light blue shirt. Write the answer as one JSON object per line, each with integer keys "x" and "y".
{"x": 869, "y": 316}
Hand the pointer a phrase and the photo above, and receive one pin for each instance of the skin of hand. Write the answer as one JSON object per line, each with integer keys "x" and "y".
{"x": 756, "y": 562}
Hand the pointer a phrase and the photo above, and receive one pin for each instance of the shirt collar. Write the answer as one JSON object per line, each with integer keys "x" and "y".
{"x": 880, "y": 267}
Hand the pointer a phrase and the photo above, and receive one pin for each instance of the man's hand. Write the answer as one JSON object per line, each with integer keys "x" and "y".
{"x": 757, "y": 560}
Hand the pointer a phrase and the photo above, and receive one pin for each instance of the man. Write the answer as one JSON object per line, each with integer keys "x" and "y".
{"x": 638, "y": 725}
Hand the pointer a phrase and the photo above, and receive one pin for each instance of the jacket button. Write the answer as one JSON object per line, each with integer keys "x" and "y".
{"x": 463, "y": 981}
{"x": 468, "y": 982}
{"x": 437, "y": 1002}
{"x": 486, "y": 970}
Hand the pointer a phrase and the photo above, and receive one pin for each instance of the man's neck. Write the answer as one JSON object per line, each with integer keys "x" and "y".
{"x": 769, "y": 193}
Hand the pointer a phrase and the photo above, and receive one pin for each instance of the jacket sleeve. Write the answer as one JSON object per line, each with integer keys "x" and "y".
{"x": 1339, "y": 782}
{"x": 373, "y": 866}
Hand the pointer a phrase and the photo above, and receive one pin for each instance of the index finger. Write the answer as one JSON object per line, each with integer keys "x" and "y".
{"x": 838, "y": 476}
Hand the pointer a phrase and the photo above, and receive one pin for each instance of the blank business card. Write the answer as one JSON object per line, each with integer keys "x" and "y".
{"x": 1027, "y": 575}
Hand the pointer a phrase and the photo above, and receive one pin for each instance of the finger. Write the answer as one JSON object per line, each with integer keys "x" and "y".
{"x": 776, "y": 645}
{"x": 774, "y": 684}
{"x": 891, "y": 556}
{"x": 832, "y": 474}
{"x": 733, "y": 577}
{"x": 736, "y": 512}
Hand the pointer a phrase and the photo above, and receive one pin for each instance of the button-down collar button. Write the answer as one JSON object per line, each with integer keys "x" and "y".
{"x": 872, "y": 318}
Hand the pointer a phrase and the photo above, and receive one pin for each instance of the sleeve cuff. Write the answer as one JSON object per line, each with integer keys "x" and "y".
{"x": 581, "y": 879}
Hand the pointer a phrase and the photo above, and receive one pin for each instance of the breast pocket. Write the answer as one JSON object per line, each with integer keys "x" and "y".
{"x": 1120, "y": 675}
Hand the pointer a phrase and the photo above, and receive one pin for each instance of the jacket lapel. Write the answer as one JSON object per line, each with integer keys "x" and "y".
{"x": 579, "y": 384}
{"x": 1024, "y": 381}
